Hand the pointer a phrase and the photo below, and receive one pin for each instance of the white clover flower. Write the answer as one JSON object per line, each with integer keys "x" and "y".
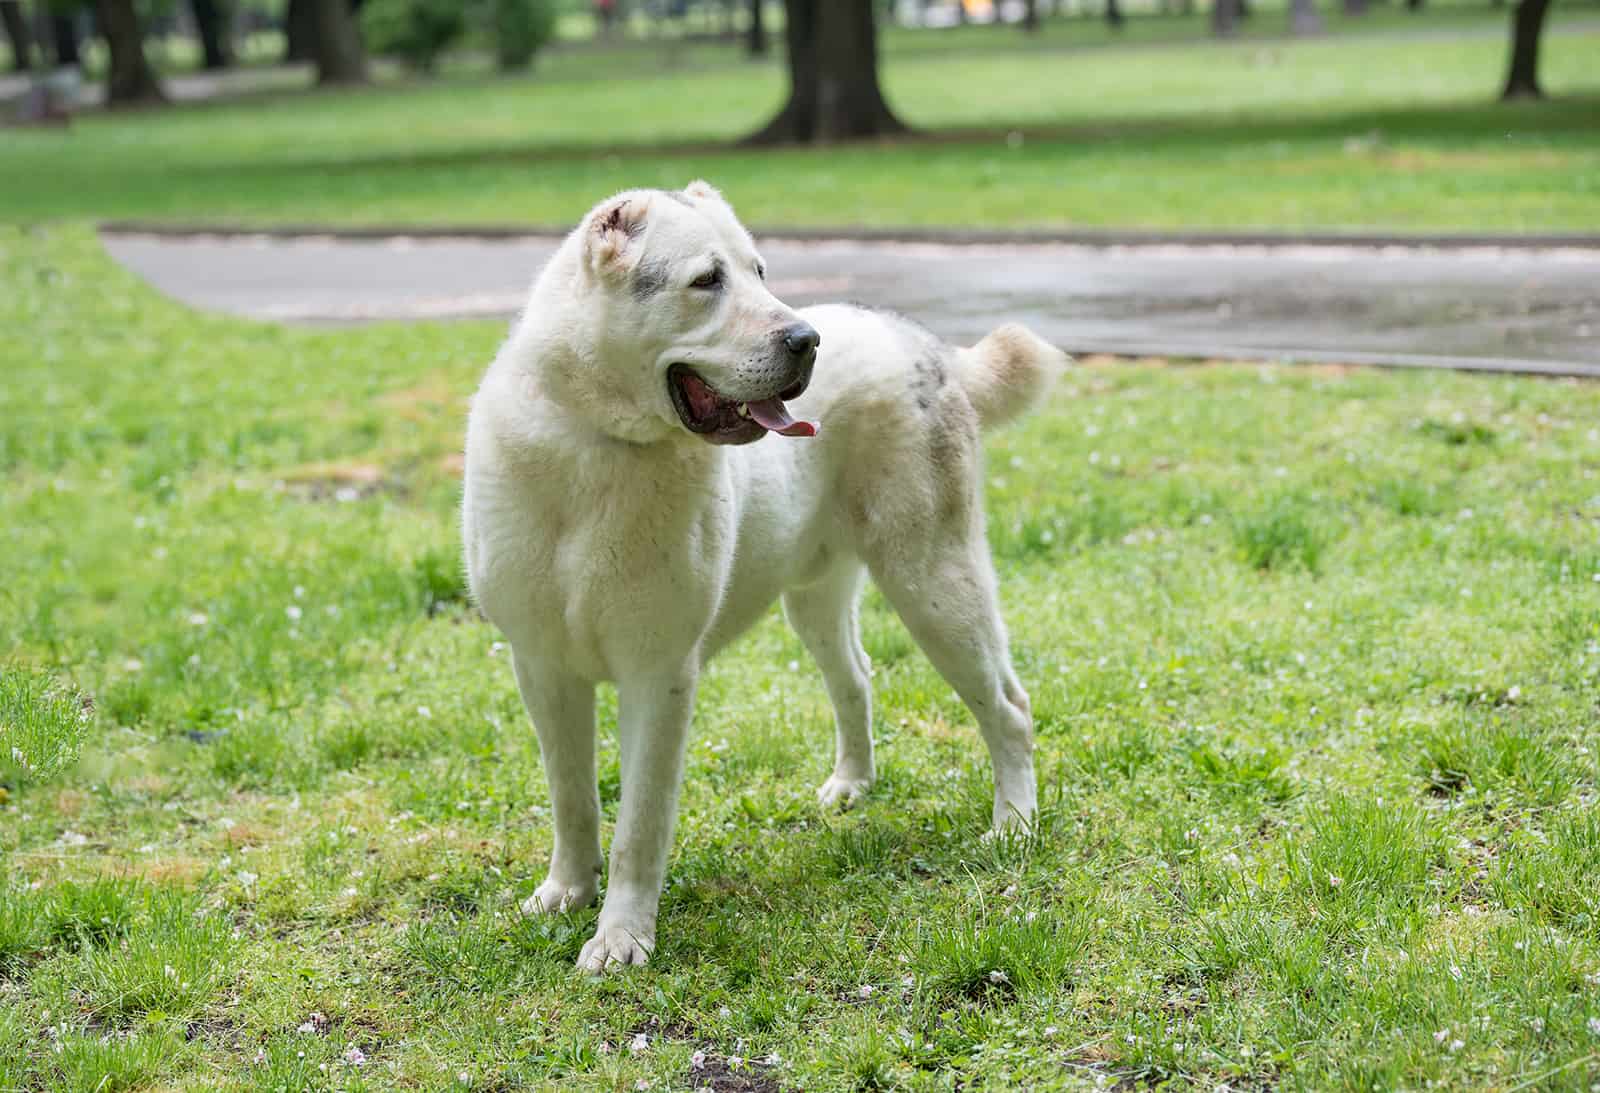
{"x": 697, "y": 1061}
{"x": 641, "y": 1042}
{"x": 294, "y": 612}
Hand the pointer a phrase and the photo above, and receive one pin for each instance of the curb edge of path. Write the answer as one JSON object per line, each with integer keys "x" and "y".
{"x": 1089, "y": 237}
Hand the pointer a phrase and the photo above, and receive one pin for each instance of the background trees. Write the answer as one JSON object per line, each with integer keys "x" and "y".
{"x": 833, "y": 75}
{"x": 831, "y": 46}
{"x": 130, "y": 80}
{"x": 1527, "y": 25}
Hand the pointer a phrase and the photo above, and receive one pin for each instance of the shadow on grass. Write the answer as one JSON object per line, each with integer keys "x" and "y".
{"x": 1468, "y": 122}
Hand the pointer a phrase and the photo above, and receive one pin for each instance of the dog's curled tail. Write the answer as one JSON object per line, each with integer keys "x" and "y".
{"x": 1008, "y": 371}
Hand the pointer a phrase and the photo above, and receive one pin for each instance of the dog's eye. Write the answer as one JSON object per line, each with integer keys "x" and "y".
{"x": 711, "y": 278}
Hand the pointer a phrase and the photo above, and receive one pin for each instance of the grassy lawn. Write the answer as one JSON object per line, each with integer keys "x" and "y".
{"x": 1398, "y": 132}
{"x": 1315, "y": 656}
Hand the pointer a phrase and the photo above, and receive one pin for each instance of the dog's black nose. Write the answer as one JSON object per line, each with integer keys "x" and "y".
{"x": 801, "y": 338}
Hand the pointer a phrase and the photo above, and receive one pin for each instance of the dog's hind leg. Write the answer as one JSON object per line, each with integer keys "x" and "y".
{"x": 944, "y": 591}
{"x": 562, "y": 709}
{"x": 826, "y": 615}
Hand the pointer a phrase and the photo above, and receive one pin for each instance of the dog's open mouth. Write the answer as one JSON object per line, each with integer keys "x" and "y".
{"x": 724, "y": 421}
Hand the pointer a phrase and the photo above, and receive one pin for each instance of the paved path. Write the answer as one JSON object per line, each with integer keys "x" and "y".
{"x": 1528, "y": 310}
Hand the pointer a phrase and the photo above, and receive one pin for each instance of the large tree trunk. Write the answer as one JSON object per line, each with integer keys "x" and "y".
{"x": 300, "y": 31}
{"x": 1355, "y": 7}
{"x": 64, "y": 31}
{"x": 212, "y": 21}
{"x": 833, "y": 76}
{"x": 1303, "y": 17}
{"x": 1114, "y": 15}
{"x": 758, "y": 29}
{"x": 17, "y": 32}
{"x": 1224, "y": 17}
{"x": 1522, "y": 81}
{"x": 131, "y": 80}
{"x": 341, "y": 59}
{"x": 1030, "y": 15}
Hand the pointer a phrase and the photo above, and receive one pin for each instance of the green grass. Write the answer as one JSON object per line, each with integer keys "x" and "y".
{"x": 1314, "y": 653}
{"x": 1397, "y": 132}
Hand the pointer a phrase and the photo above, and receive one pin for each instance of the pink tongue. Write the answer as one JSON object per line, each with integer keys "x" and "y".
{"x": 772, "y": 414}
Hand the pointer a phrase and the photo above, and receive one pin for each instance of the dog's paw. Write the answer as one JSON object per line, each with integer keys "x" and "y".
{"x": 839, "y": 792}
{"x": 612, "y": 947}
{"x": 1012, "y": 821}
{"x": 555, "y": 898}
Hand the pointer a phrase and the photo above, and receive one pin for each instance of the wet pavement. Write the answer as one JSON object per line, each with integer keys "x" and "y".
{"x": 1521, "y": 309}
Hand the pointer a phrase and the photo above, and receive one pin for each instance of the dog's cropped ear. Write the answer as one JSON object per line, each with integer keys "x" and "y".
{"x": 613, "y": 227}
{"x": 703, "y": 189}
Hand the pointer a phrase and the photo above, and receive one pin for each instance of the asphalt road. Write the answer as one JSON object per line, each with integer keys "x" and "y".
{"x": 1532, "y": 310}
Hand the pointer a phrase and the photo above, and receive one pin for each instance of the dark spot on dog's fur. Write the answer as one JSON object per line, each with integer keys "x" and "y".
{"x": 648, "y": 279}
{"x": 927, "y": 377}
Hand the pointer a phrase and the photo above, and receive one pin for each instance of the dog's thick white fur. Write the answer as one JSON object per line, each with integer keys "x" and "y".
{"x": 611, "y": 540}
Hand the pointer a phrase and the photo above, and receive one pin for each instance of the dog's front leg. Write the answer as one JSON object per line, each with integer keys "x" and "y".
{"x": 652, "y": 726}
{"x": 562, "y": 709}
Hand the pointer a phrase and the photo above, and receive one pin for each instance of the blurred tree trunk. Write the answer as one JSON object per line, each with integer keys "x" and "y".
{"x": 1224, "y": 17}
{"x": 1030, "y": 15}
{"x": 341, "y": 59}
{"x": 1522, "y": 81}
{"x": 833, "y": 76}
{"x": 1114, "y": 15}
{"x": 64, "y": 30}
{"x": 130, "y": 80}
{"x": 1355, "y": 7}
{"x": 758, "y": 29}
{"x": 1413, "y": 5}
{"x": 1303, "y": 17}
{"x": 300, "y": 30}
{"x": 212, "y": 22}
{"x": 17, "y": 32}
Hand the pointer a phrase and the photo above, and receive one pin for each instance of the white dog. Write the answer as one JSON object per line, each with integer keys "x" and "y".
{"x": 626, "y": 516}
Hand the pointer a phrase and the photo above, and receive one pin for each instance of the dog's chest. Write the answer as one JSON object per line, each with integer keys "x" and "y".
{"x": 605, "y": 565}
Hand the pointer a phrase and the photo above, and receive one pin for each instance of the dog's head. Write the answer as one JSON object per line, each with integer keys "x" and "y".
{"x": 684, "y": 328}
